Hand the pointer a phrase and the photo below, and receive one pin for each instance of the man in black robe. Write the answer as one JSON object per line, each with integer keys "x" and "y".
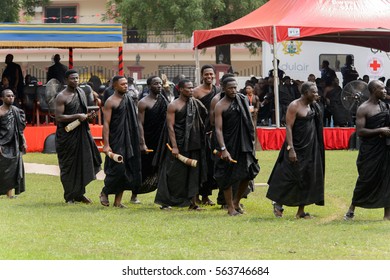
{"x": 178, "y": 183}
{"x": 152, "y": 114}
{"x": 15, "y": 75}
{"x": 372, "y": 188}
{"x": 205, "y": 92}
{"x": 120, "y": 136}
{"x": 235, "y": 135}
{"x": 12, "y": 145}
{"x": 57, "y": 70}
{"x": 297, "y": 178}
{"x": 78, "y": 157}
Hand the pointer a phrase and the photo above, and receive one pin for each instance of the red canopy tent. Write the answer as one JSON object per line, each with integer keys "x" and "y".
{"x": 356, "y": 22}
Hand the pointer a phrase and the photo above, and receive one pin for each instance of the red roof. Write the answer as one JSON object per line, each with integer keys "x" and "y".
{"x": 356, "y": 22}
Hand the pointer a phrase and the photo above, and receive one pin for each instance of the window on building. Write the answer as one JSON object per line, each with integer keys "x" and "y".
{"x": 336, "y": 61}
{"x": 61, "y": 14}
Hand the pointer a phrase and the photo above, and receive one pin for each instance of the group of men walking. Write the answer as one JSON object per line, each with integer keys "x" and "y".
{"x": 201, "y": 141}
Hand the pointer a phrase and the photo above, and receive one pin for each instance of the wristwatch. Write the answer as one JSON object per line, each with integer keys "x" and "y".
{"x": 223, "y": 148}
{"x": 289, "y": 148}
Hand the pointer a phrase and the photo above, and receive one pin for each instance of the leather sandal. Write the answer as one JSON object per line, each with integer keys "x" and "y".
{"x": 104, "y": 199}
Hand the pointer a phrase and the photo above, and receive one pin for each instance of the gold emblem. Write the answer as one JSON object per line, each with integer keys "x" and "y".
{"x": 292, "y": 47}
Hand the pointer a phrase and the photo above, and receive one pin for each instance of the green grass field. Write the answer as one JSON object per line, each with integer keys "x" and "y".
{"x": 38, "y": 225}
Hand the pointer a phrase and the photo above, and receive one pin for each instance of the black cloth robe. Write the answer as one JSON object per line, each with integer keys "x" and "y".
{"x": 238, "y": 134}
{"x": 124, "y": 140}
{"x": 301, "y": 183}
{"x": 12, "y": 125}
{"x": 177, "y": 182}
{"x": 372, "y": 188}
{"x": 154, "y": 122}
{"x": 78, "y": 157}
{"x": 210, "y": 184}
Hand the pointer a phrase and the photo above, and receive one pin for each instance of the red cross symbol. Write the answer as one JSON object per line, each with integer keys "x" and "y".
{"x": 375, "y": 65}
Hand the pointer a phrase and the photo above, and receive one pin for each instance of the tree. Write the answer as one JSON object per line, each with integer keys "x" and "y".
{"x": 10, "y": 9}
{"x": 183, "y": 16}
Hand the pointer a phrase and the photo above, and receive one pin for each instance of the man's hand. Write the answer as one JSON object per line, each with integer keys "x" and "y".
{"x": 175, "y": 151}
{"x": 226, "y": 156}
{"x": 106, "y": 149}
{"x": 292, "y": 156}
{"x": 385, "y": 131}
{"x": 82, "y": 117}
{"x": 143, "y": 148}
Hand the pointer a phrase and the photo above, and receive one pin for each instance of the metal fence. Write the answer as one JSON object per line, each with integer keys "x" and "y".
{"x": 169, "y": 36}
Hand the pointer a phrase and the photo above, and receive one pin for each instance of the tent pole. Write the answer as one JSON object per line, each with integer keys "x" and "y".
{"x": 276, "y": 79}
{"x": 120, "y": 60}
{"x": 197, "y": 73}
{"x": 70, "y": 58}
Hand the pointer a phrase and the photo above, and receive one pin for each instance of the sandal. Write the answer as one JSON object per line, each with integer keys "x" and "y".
{"x": 165, "y": 207}
{"x": 236, "y": 213}
{"x": 195, "y": 208}
{"x": 208, "y": 203}
{"x": 120, "y": 205}
{"x": 135, "y": 201}
{"x": 278, "y": 210}
{"x": 104, "y": 199}
{"x": 303, "y": 215}
{"x": 349, "y": 216}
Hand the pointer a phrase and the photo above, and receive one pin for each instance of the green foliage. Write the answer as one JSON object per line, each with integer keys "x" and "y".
{"x": 38, "y": 225}
{"x": 184, "y": 16}
{"x": 9, "y": 11}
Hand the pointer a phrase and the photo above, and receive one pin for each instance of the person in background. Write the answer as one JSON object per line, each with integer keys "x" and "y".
{"x": 57, "y": 70}
{"x": 327, "y": 73}
{"x": 253, "y": 101}
{"x": 366, "y": 79}
{"x": 311, "y": 78}
{"x": 349, "y": 71}
{"x": 134, "y": 93}
{"x": 12, "y": 146}
{"x": 280, "y": 71}
{"x": 13, "y": 72}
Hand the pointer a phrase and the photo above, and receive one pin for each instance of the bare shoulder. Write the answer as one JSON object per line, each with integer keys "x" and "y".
{"x": 111, "y": 102}
{"x": 62, "y": 96}
{"x": 294, "y": 105}
{"x": 364, "y": 108}
{"x": 172, "y": 107}
{"x": 222, "y": 104}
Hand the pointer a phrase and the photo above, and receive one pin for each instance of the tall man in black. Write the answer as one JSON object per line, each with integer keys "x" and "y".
{"x": 152, "y": 113}
{"x": 205, "y": 93}
{"x": 235, "y": 135}
{"x": 297, "y": 178}
{"x": 12, "y": 145}
{"x": 78, "y": 157}
{"x": 178, "y": 184}
{"x": 120, "y": 136}
{"x": 372, "y": 188}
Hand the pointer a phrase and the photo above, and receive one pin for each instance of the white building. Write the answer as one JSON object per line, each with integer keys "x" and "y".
{"x": 173, "y": 57}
